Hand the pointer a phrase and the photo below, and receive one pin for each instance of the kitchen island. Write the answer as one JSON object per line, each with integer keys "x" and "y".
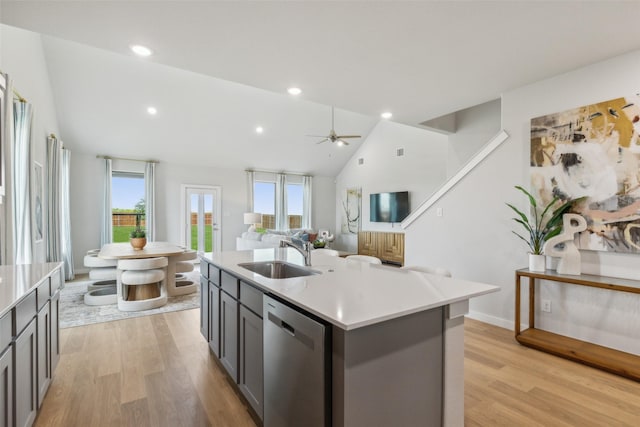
{"x": 396, "y": 341}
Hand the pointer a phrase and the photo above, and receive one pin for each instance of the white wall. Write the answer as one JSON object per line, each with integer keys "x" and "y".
{"x": 475, "y": 126}
{"x": 420, "y": 171}
{"x": 474, "y": 240}
{"x": 22, "y": 58}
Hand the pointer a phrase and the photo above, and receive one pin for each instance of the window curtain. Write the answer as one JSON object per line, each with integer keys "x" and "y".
{"x": 250, "y": 179}
{"x": 65, "y": 214}
{"x": 54, "y": 239}
{"x": 20, "y": 183}
{"x": 150, "y": 199}
{"x": 306, "y": 202}
{"x": 6, "y": 223}
{"x": 106, "y": 232}
{"x": 282, "y": 222}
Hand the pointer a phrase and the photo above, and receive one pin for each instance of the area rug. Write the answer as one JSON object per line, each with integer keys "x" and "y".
{"x": 74, "y": 312}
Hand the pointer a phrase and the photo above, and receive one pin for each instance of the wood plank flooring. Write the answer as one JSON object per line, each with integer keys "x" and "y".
{"x": 157, "y": 371}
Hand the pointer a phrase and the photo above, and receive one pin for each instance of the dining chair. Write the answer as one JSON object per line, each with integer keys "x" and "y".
{"x": 431, "y": 270}
{"x": 330, "y": 252}
{"x": 142, "y": 283}
{"x": 364, "y": 258}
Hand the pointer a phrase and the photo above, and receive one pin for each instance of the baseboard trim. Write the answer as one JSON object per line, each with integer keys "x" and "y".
{"x": 493, "y": 320}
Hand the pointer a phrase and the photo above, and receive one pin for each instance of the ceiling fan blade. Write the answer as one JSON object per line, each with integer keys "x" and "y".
{"x": 324, "y": 140}
{"x": 349, "y": 136}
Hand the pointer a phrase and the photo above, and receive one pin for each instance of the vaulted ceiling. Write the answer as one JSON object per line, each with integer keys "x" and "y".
{"x": 220, "y": 69}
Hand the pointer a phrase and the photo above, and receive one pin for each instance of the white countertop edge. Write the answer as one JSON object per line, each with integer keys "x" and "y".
{"x": 326, "y": 309}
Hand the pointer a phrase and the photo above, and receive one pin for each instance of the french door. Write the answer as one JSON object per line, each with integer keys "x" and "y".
{"x": 202, "y": 207}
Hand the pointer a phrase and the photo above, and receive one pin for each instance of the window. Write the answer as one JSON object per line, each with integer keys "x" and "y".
{"x": 127, "y": 204}
{"x": 294, "y": 205}
{"x": 264, "y": 202}
{"x": 281, "y": 208}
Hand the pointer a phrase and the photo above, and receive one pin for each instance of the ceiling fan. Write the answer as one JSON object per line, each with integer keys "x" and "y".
{"x": 333, "y": 136}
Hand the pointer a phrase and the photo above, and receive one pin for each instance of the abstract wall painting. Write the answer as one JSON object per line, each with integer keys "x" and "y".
{"x": 351, "y": 211}
{"x": 593, "y": 151}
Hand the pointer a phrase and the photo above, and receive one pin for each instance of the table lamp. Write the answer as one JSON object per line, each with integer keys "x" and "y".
{"x": 253, "y": 219}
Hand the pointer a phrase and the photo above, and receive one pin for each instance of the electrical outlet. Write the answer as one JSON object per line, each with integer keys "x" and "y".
{"x": 546, "y": 305}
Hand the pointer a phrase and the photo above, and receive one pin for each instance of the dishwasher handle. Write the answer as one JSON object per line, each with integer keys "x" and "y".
{"x": 300, "y": 336}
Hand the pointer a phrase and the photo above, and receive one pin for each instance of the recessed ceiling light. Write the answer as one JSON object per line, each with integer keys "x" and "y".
{"x": 152, "y": 110}
{"x": 140, "y": 50}
{"x": 294, "y": 91}
{"x": 386, "y": 115}
{"x": 259, "y": 129}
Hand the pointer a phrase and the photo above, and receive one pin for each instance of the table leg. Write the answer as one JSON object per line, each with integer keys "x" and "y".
{"x": 517, "y": 326}
{"x": 532, "y": 302}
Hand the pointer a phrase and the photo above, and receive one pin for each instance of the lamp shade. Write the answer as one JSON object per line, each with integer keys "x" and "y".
{"x": 252, "y": 218}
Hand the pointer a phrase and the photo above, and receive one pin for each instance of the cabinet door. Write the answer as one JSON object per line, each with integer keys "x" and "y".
{"x": 204, "y": 307}
{"x": 43, "y": 351}
{"x": 391, "y": 247}
{"x": 55, "y": 331}
{"x": 251, "y": 371}
{"x": 25, "y": 374}
{"x": 6, "y": 388}
{"x": 214, "y": 319}
{"x": 229, "y": 334}
{"x": 367, "y": 243}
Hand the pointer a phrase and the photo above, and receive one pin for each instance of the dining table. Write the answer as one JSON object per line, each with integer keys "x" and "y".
{"x": 151, "y": 250}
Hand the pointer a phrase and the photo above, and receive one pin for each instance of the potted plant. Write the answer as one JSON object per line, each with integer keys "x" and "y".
{"x": 541, "y": 227}
{"x": 138, "y": 237}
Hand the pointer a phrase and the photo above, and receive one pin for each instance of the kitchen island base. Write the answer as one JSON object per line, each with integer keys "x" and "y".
{"x": 389, "y": 373}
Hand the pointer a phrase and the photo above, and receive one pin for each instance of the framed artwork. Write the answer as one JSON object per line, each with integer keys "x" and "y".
{"x": 351, "y": 211}
{"x": 593, "y": 151}
{"x": 37, "y": 201}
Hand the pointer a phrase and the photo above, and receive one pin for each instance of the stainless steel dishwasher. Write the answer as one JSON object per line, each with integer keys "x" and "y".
{"x": 297, "y": 367}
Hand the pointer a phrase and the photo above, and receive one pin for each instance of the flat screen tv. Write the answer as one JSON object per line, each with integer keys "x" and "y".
{"x": 388, "y": 207}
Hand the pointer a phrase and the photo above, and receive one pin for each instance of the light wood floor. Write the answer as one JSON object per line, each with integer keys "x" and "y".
{"x": 156, "y": 371}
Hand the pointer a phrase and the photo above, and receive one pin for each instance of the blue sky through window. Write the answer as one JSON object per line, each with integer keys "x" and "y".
{"x": 264, "y": 195}
{"x": 126, "y": 191}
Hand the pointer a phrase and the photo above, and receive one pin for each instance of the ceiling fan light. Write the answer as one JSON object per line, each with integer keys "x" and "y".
{"x": 340, "y": 143}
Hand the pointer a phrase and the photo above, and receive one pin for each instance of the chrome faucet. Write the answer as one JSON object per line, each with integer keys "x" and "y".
{"x": 305, "y": 251}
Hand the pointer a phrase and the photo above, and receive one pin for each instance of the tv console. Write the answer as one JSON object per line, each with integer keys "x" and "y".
{"x": 389, "y": 247}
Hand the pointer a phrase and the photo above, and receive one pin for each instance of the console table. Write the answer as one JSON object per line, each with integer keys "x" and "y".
{"x": 597, "y": 356}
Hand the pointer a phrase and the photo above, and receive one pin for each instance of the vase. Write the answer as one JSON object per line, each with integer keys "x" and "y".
{"x": 536, "y": 262}
{"x": 138, "y": 243}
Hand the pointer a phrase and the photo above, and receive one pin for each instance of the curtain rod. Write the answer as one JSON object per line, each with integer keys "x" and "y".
{"x": 100, "y": 156}
{"x": 282, "y": 172}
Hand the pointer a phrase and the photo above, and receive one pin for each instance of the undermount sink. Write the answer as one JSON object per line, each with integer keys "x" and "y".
{"x": 277, "y": 269}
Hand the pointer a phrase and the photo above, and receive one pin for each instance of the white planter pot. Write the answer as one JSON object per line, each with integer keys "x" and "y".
{"x": 537, "y": 262}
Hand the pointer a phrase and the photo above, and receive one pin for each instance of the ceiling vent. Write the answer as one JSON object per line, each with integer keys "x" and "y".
{"x": 399, "y": 152}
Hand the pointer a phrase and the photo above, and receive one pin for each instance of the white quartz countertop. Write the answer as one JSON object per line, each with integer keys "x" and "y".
{"x": 17, "y": 281}
{"x": 351, "y": 294}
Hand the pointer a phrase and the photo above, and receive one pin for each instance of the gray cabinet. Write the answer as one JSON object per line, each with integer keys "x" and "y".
{"x": 204, "y": 306}
{"x": 6, "y": 388}
{"x": 229, "y": 334}
{"x": 55, "y": 330}
{"x": 233, "y": 309}
{"x": 25, "y": 371}
{"x": 251, "y": 370}
{"x": 43, "y": 351}
{"x": 214, "y": 318}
